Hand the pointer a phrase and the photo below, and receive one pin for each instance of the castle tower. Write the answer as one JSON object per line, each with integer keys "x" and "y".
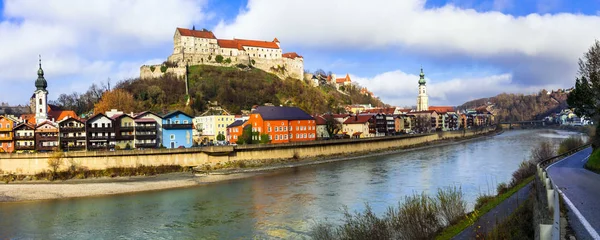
{"x": 41, "y": 96}
{"x": 422, "y": 99}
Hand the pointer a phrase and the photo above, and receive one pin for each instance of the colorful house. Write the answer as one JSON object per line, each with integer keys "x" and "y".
{"x": 146, "y": 130}
{"x": 282, "y": 124}
{"x": 100, "y": 132}
{"x": 322, "y": 132}
{"x": 235, "y": 130}
{"x": 177, "y": 130}
{"x": 24, "y": 138}
{"x": 71, "y": 135}
{"x": 46, "y": 137}
{"x": 124, "y": 131}
{"x": 6, "y": 134}
{"x": 210, "y": 127}
{"x": 360, "y": 126}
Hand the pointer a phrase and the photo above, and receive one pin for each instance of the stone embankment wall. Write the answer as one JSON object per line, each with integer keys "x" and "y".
{"x": 37, "y": 162}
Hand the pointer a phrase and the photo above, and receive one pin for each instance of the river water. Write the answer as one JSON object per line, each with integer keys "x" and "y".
{"x": 280, "y": 204}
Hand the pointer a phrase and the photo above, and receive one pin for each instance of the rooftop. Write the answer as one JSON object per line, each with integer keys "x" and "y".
{"x": 282, "y": 113}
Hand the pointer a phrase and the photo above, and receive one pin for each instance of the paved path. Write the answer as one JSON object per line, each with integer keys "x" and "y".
{"x": 582, "y": 191}
{"x": 488, "y": 221}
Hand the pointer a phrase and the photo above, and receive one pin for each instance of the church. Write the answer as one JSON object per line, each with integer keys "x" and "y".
{"x": 41, "y": 110}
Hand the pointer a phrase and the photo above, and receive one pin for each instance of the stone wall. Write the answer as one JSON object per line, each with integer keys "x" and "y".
{"x": 37, "y": 162}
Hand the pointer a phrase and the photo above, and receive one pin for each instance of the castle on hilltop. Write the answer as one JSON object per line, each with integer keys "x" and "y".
{"x": 196, "y": 47}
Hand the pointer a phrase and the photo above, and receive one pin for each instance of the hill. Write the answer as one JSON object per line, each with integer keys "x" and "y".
{"x": 238, "y": 89}
{"x": 520, "y": 107}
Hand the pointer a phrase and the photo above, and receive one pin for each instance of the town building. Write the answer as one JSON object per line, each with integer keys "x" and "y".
{"x": 147, "y": 130}
{"x": 282, "y": 124}
{"x": 235, "y": 130}
{"x": 177, "y": 130}
{"x": 424, "y": 121}
{"x": 403, "y": 123}
{"x": 100, "y": 132}
{"x": 6, "y": 134}
{"x": 422, "y": 98}
{"x": 321, "y": 123}
{"x": 209, "y": 127}
{"x": 124, "y": 131}
{"x": 195, "y": 47}
{"x": 360, "y": 126}
{"x": 24, "y": 138}
{"x": 46, "y": 137}
{"x": 343, "y": 82}
{"x": 72, "y": 135}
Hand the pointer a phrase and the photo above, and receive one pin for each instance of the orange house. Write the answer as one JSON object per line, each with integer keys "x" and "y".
{"x": 235, "y": 130}
{"x": 283, "y": 124}
{"x": 6, "y": 135}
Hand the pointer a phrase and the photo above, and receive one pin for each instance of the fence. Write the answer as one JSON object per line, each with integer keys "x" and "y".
{"x": 552, "y": 231}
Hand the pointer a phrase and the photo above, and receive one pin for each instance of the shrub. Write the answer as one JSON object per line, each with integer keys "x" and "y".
{"x": 54, "y": 162}
{"x": 209, "y": 57}
{"x": 518, "y": 225}
{"x": 542, "y": 152}
{"x": 482, "y": 200}
{"x": 502, "y": 188}
{"x": 452, "y": 205}
{"x": 127, "y": 146}
{"x": 228, "y": 60}
{"x": 416, "y": 218}
{"x": 526, "y": 169}
{"x": 163, "y": 68}
{"x": 242, "y": 66}
{"x": 569, "y": 144}
{"x": 219, "y": 59}
{"x": 152, "y": 68}
{"x": 253, "y": 62}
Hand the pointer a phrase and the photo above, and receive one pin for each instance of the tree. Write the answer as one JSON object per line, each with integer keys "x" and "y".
{"x": 246, "y": 137}
{"x": 264, "y": 138}
{"x": 228, "y": 60}
{"x": 585, "y": 97}
{"x": 54, "y": 162}
{"x": 116, "y": 99}
{"x": 219, "y": 59}
{"x": 331, "y": 125}
{"x": 422, "y": 123}
{"x": 220, "y": 137}
{"x": 320, "y": 72}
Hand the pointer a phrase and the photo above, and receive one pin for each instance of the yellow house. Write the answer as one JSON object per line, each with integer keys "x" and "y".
{"x": 358, "y": 126}
{"x": 209, "y": 127}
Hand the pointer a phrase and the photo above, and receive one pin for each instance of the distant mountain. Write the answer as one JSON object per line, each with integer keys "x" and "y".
{"x": 520, "y": 107}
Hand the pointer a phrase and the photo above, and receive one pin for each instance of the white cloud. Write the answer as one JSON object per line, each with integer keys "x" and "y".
{"x": 400, "y": 89}
{"x": 87, "y": 40}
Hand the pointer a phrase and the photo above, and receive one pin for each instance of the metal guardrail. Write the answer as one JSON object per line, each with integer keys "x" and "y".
{"x": 552, "y": 231}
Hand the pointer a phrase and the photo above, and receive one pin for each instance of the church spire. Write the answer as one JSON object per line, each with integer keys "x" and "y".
{"x": 41, "y": 83}
{"x": 422, "y": 77}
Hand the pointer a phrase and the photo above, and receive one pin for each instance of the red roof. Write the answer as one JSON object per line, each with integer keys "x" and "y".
{"x": 291, "y": 55}
{"x": 345, "y": 79}
{"x": 380, "y": 110}
{"x": 256, "y": 43}
{"x": 226, "y": 43}
{"x": 442, "y": 109}
{"x": 358, "y": 119}
{"x": 61, "y": 115}
{"x": 320, "y": 120}
{"x": 195, "y": 33}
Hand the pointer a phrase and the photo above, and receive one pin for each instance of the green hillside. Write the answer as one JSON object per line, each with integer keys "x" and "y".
{"x": 238, "y": 89}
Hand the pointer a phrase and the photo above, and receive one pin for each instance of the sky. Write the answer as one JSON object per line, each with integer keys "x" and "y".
{"x": 468, "y": 49}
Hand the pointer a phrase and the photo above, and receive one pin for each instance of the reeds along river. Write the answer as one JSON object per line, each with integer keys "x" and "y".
{"x": 280, "y": 204}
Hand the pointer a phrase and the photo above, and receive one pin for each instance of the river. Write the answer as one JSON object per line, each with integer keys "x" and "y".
{"x": 279, "y": 204}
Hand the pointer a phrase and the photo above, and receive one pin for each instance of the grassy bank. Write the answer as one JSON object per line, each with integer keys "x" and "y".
{"x": 593, "y": 163}
{"x": 518, "y": 225}
{"x": 489, "y": 204}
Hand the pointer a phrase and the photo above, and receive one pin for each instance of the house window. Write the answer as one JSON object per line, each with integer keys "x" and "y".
{"x": 269, "y": 129}
{"x": 172, "y": 136}
{"x": 285, "y": 128}
{"x": 276, "y": 137}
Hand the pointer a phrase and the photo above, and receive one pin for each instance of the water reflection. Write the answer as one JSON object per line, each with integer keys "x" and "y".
{"x": 280, "y": 204}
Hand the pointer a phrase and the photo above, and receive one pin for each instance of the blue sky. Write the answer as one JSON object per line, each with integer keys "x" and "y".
{"x": 468, "y": 49}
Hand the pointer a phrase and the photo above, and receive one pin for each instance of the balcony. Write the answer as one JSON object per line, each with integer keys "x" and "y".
{"x": 74, "y": 147}
{"x": 6, "y": 129}
{"x": 145, "y": 136}
{"x": 101, "y": 138}
{"x": 20, "y": 137}
{"x": 126, "y": 128}
{"x": 100, "y": 147}
{"x": 72, "y": 138}
{"x": 125, "y": 137}
{"x": 100, "y": 129}
{"x": 46, "y": 138}
{"x": 6, "y": 138}
{"x": 18, "y": 147}
{"x": 46, "y": 148}
{"x": 145, "y": 128}
{"x": 145, "y": 145}
{"x": 177, "y": 126}
{"x": 71, "y": 129}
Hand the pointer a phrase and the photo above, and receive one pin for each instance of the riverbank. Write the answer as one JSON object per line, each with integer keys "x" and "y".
{"x": 42, "y": 190}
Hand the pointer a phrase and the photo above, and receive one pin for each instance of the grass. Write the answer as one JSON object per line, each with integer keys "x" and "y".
{"x": 455, "y": 229}
{"x": 518, "y": 225}
{"x": 593, "y": 163}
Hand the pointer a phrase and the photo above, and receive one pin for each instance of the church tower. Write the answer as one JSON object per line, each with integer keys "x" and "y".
{"x": 422, "y": 99}
{"x": 41, "y": 96}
